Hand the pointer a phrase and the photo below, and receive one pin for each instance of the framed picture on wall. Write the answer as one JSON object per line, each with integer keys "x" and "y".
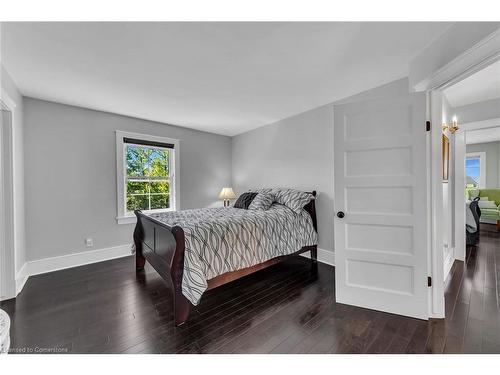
{"x": 445, "y": 149}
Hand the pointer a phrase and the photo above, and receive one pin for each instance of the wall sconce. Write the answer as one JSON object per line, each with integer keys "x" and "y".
{"x": 453, "y": 127}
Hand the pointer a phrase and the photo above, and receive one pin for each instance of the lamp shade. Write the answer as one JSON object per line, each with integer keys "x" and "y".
{"x": 227, "y": 193}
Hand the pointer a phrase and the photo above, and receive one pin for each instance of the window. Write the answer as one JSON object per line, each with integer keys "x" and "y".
{"x": 474, "y": 170}
{"x": 146, "y": 174}
{"x": 472, "y": 165}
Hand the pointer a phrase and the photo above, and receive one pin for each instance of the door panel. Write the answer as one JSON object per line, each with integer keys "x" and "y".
{"x": 375, "y": 237}
{"x": 382, "y": 277}
{"x": 378, "y": 199}
{"x": 383, "y": 120}
{"x": 365, "y": 162}
{"x": 381, "y": 185}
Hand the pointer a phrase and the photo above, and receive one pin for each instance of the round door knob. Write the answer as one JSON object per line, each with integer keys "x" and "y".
{"x": 340, "y": 214}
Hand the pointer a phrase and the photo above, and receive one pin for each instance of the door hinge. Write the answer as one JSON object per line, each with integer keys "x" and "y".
{"x": 428, "y": 126}
{"x": 429, "y": 281}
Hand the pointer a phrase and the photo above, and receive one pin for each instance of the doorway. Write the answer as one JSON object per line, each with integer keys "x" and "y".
{"x": 466, "y": 120}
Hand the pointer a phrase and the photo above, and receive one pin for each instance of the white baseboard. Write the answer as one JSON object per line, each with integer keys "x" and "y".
{"x": 324, "y": 256}
{"x": 36, "y": 267}
{"x": 448, "y": 263}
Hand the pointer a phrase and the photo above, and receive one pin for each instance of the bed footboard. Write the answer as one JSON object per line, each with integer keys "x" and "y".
{"x": 163, "y": 247}
{"x": 140, "y": 261}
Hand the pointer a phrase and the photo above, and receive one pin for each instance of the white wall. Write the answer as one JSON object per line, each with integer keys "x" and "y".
{"x": 71, "y": 175}
{"x": 492, "y": 150}
{"x": 9, "y": 88}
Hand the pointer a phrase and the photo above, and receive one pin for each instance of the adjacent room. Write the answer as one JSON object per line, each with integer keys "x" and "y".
{"x": 471, "y": 187}
{"x": 249, "y": 187}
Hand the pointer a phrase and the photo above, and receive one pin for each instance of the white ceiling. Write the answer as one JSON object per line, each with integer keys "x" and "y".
{"x": 483, "y": 135}
{"x": 482, "y": 131}
{"x": 225, "y": 78}
{"x": 481, "y": 86}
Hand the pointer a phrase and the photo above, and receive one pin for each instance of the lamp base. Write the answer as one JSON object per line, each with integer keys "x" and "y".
{"x": 226, "y": 203}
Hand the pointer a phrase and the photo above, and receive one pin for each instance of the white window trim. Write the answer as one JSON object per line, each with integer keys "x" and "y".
{"x": 122, "y": 216}
{"x": 482, "y": 166}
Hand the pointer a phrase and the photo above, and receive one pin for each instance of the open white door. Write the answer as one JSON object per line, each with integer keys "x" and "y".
{"x": 381, "y": 205}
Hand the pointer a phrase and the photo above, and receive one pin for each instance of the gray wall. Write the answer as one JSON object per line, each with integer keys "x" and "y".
{"x": 480, "y": 111}
{"x": 71, "y": 175}
{"x": 296, "y": 152}
{"x": 492, "y": 150}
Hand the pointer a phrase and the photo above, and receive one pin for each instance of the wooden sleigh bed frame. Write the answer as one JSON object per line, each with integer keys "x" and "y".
{"x": 163, "y": 247}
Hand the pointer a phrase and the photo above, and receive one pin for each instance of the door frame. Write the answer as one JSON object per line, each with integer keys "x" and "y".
{"x": 476, "y": 58}
{"x": 7, "y": 232}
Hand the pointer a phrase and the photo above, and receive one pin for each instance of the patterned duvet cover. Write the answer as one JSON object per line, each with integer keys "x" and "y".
{"x": 220, "y": 240}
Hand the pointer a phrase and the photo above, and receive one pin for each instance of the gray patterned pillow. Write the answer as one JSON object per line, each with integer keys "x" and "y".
{"x": 270, "y": 191}
{"x": 294, "y": 199}
{"x": 262, "y": 201}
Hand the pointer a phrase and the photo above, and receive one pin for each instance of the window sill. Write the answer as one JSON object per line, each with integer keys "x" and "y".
{"x": 126, "y": 220}
{"x": 132, "y": 219}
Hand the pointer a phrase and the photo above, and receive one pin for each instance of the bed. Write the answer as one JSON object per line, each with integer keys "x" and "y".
{"x": 199, "y": 250}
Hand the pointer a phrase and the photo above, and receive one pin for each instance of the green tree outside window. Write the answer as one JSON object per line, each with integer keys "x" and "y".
{"x": 148, "y": 178}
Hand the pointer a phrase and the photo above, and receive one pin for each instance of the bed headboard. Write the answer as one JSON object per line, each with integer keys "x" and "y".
{"x": 311, "y": 209}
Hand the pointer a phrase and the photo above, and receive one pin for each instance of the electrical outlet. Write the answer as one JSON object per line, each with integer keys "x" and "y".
{"x": 89, "y": 242}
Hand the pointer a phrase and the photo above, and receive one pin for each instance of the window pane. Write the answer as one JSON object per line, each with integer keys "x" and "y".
{"x": 472, "y": 162}
{"x": 472, "y": 171}
{"x": 136, "y": 187}
{"x": 160, "y": 201}
{"x": 137, "y": 160}
{"x": 158, "y": 161}
{"x": 160, "y": 187}
{"x": 147, "y": 179}
{"x": 137, "y": 202}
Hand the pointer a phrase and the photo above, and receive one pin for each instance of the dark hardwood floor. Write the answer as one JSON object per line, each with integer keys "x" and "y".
{"x": 107, "y": 308}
